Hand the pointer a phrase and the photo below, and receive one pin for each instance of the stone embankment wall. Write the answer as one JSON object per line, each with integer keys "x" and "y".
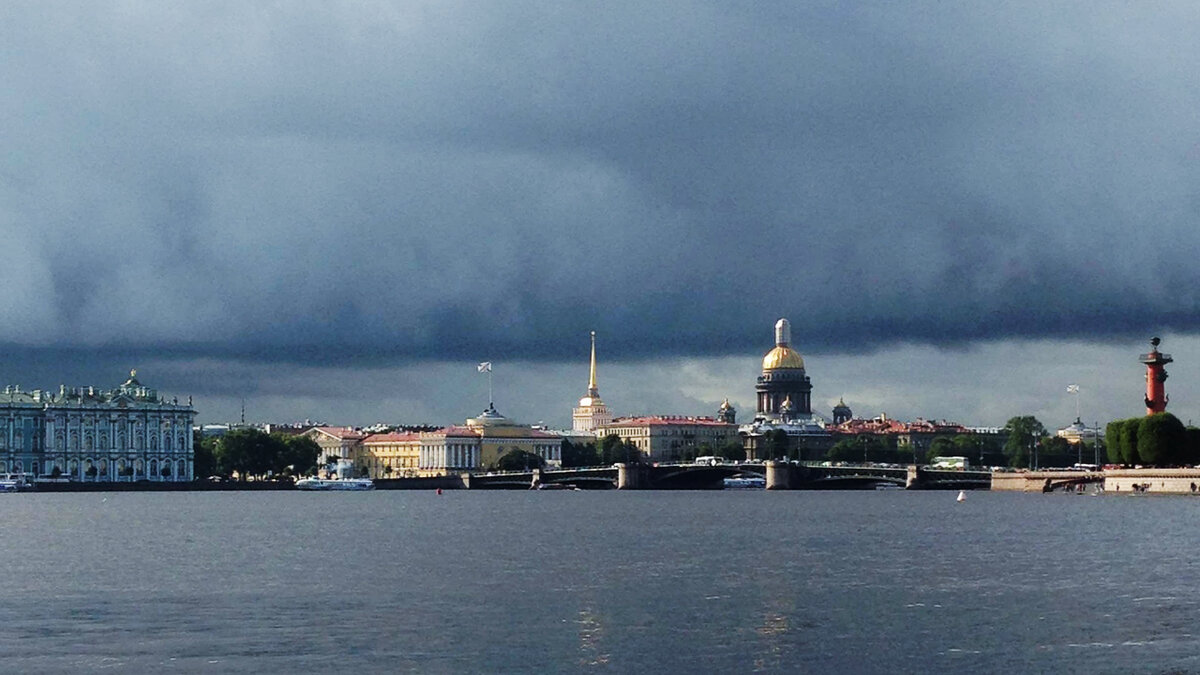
{"x": 1116, "y": 481}
{"x": 1152, "y": 481}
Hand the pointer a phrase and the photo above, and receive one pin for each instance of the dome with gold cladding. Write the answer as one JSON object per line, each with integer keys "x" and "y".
{"x": 782, "y": 357}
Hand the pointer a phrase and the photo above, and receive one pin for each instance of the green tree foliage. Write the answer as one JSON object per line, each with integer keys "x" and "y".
{"x": 845, "y": 450}
{"x": 1112, "y": 432}
{"x": 1057, "y": 452}
{"x": 519, "y": 460}
{"x": 614, "y": 451}
{"x": 1156, "y": 440}
{"x": 579, "y": 454}
{"x": 979, "y": 450}
{"x": 253, "y": 453}
{"x": 1023, "y": 433}
{"x": 1162, "y": 440}
{"x": 298, "y": 456}
{"x": 1193, "y": 445}
{"x": 732, "y": 450}
{"x": 1129, "y": 444}
{"x": 941, "y": 446}
{"x": 205, "y": 456}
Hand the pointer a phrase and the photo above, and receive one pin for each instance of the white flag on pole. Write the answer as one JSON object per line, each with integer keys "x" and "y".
{"x": 1072, "y": 389}
{"x": 485, "y": 367}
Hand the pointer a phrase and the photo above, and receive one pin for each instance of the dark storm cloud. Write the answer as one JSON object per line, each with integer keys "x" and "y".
{"x": 376, "y": 182}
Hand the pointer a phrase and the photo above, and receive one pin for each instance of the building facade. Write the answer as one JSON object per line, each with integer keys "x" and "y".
{"x": 129, "y": 433}
{"x": 341, "y": 449}
{"x": 668, "y": 439}
{"x": 391, "y": 455}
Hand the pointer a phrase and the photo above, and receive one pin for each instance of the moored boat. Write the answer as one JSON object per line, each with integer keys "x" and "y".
{"x": 331, "y": 484}
{"x": 16, "y": 483}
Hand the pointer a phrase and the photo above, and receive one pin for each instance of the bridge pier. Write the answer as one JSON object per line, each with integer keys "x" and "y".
{"x": 629, "y": 476}
{"x": 779, "y": 475}
{"x": 913, "y": 481}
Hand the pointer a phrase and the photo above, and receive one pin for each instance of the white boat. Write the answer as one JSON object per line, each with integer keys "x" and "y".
{"x": 329, "y": 484}
{"x": 745, "y": 483}
{"x": 16, "y": 483}
{"x": 962, "y": 495}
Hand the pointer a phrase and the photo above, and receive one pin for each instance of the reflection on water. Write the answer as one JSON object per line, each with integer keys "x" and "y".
{"x": 774, "y": 627}
{"x": 591, "y": 638}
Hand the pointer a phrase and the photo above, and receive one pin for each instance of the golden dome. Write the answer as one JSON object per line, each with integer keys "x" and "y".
{"x": 782, "y": 357}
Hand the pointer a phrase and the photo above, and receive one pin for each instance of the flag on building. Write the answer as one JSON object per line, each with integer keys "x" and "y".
{"x": 485, "y": 367}
{"x": 1072, "y": 389}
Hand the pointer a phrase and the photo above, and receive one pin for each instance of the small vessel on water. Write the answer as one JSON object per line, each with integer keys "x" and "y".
{"x": 16, "y": 483}
{"x": 330, "y": 484}
{"x": 962, "y": 495}
{"x": 745, "y": 483}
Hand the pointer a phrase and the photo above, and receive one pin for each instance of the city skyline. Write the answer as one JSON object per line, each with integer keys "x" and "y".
{"x": 334, "y": 212}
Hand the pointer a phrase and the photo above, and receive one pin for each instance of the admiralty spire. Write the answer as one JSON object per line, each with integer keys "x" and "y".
{"x": 591, "y": 412}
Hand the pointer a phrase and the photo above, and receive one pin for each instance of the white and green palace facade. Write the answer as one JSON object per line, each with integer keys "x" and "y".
{"x": 125, "y": 434}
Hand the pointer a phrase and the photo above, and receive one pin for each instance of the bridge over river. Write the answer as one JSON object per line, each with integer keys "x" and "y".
{"x": 778, "y": 476}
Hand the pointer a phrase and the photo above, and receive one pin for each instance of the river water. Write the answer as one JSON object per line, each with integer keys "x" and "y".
{"x": 735, "y": 581}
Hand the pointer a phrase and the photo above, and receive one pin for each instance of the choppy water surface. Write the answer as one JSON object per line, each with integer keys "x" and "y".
{"x": 598, "y": 581}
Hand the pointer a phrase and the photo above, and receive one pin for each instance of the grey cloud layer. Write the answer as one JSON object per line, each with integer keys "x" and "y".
{"x": 410, "y": 181}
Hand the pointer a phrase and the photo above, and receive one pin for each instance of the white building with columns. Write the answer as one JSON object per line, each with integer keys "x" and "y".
{"x": 125, "y": 434}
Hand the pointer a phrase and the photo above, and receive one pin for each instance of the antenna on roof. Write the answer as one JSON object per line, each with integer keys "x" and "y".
{"x": 243, "y": 411}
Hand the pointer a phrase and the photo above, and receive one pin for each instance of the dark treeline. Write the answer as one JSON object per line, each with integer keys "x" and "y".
{"x": 610, "y": 450}
{"x": 1156, "y": 440}
{"x": 250, "y": 453}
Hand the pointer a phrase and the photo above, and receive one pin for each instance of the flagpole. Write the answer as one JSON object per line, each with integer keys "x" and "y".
{"x": 491, "y": 401}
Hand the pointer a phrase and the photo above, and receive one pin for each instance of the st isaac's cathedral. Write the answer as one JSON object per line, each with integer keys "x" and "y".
{"x": 784, "y": 393}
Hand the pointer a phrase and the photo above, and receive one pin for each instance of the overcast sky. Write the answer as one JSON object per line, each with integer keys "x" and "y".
{"x": 334, "y": 210}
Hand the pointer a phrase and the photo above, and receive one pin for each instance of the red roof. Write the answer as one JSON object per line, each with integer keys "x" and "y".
{"x": 344, "y": 433}
{"x": 392, "y": 438}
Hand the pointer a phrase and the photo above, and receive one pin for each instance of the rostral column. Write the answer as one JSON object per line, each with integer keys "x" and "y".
{"x": 1156, "y": 375}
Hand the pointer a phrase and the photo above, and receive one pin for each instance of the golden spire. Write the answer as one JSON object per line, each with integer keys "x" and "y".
{"x": 592, "y": 390}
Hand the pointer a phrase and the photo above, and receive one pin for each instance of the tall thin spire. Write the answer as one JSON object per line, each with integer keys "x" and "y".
{"x": 593, "y": 391}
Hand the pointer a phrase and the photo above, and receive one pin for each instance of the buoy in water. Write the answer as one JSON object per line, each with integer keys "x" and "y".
{"x": 962, "y": 495}
{"x": 439, "y": 491}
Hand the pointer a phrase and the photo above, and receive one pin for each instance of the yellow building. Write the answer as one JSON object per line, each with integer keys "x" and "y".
{"x": 341, "y": 447}
{"x": 499, "y": 435}
{"x": 665, "y": 439}
{"x": 391, "y": 455}
{"x": 448, "y": 451}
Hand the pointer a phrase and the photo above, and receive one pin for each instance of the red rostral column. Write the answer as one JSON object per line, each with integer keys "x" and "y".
{"x": 1156, "y": 375}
